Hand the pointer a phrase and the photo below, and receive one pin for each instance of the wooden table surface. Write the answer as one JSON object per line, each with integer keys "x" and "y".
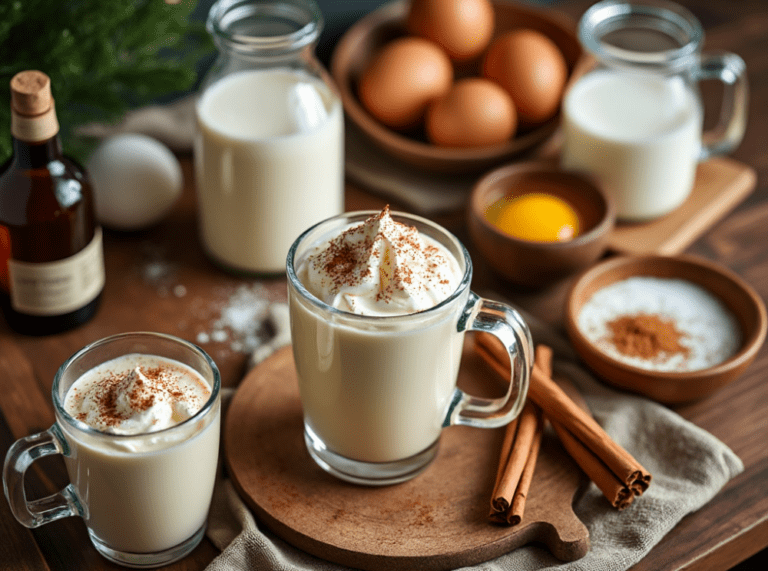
{"x": 160, "y": 280}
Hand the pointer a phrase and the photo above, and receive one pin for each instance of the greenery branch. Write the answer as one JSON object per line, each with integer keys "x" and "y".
{"x": 104, "y": 57}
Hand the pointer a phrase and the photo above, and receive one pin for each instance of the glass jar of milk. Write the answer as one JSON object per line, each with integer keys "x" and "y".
{"x": 635, "y": 118}
{"x": 269, "y": 144}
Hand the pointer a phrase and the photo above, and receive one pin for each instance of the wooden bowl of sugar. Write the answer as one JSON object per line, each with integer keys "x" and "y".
{"x": 673, "y": 328}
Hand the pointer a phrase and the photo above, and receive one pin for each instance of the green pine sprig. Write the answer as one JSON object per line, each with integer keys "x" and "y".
{"x": 103, "y": 57}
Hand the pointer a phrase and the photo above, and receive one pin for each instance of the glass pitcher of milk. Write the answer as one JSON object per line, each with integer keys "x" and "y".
{"x": 635, "y": 119}
{"x": 269, "y": 144}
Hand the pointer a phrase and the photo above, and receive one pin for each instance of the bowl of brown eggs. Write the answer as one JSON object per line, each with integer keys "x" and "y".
{"x": 456, "y": 85}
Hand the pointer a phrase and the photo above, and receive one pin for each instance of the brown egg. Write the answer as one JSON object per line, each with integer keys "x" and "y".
{"x": 532, "y": 69}
{"x": 463, "y": 28}
{"x": 476, "y": 112}
{"x": 402, "y": 79}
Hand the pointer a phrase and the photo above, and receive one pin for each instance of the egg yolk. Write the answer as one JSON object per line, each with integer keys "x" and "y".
{"x": 535, "y": 217}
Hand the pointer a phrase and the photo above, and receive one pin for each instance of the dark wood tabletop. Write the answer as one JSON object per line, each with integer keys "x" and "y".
{"x": 160, "y": 280}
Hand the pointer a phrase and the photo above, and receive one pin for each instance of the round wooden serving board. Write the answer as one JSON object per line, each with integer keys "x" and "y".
{"x": 438, "y": 520}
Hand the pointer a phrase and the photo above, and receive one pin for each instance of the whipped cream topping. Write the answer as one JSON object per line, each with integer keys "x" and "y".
{"x": 380, "y": 267}
{"x": 137, "y": 394}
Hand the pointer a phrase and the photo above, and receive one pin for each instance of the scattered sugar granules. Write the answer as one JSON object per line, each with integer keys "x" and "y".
{"x": 241, "y": 320}
{"x": 246, "y": 321}
{"x": 159, "y": 272}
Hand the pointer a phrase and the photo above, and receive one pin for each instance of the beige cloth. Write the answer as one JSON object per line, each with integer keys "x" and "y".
{"x": 688, "y": 464}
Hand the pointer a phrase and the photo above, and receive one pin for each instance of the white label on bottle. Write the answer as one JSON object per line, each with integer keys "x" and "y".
{"x": 55, "y": 288}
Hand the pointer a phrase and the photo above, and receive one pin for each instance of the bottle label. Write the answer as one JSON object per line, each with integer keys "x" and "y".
{"x": 55, "y": 288}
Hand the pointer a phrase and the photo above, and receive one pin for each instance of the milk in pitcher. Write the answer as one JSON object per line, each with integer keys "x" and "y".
{"x": 634, "y": 119}
{"x": 640, "y": 135}
{"x": 269, "y": 155}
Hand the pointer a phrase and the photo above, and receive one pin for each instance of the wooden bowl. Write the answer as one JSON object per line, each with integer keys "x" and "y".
{"x": 538, "y": 264}
{"x": 362, "y": 41}
{"x": 670, "y": 387}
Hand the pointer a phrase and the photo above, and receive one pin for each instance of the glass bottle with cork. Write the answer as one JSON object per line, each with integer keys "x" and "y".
{"x": 51, "y": 258}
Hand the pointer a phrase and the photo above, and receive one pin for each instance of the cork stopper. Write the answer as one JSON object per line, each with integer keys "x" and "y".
{"x": 31, "y": 93}
{"x": 33, "y": 114}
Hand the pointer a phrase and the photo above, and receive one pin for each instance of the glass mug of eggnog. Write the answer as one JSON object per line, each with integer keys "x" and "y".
{"x": 635, "y": 119}
{"x": 137, "y": 422}
{"x": 379, "y": 305}
{"x": 269, "y": 142}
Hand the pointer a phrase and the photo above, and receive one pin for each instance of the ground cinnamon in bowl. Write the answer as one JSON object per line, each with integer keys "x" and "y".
{"x": 703, "y": 325}
{"x": 660, "y": 324}
{"x": 646, "y": 336}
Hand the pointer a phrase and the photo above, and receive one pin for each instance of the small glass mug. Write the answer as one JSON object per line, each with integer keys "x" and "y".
{"x": 376, "y": 392}
{"x": 144, "y": 497}
{"x": 635, "y": 119}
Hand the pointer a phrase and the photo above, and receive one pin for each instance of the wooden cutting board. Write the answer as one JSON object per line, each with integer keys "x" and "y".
{"x": 437, "y": 520}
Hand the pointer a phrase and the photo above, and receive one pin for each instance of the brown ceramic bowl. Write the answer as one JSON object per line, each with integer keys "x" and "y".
{"x": 361, "y": 42}
{"x": 537, "y": 264}
{"x": 670, "y": 387}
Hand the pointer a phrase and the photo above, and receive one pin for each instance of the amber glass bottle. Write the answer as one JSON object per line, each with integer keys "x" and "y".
{"x": 51, "y": 259}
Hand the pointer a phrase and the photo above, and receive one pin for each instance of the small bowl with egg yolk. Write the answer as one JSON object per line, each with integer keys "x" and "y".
{"x": 535, "y": 223}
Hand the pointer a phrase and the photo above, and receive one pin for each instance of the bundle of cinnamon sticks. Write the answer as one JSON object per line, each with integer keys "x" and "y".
{"x": 616, "y": 473}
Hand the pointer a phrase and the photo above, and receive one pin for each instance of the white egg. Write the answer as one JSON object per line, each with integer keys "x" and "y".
{"x": 136, "y": 180}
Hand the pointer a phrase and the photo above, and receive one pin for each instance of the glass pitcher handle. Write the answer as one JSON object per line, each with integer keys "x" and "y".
{"x": 20, "y": 456}
{"x": 505, "y": 323}
{"x": 731, "y": 70}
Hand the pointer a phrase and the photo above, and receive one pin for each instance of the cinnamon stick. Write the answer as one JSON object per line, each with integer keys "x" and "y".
{"x": 614, "y": 490}
{"x": 619, "y": 495}
{"x": 581, "y": 435}
{"x": 506, "y": 450}
{"x": 516, "y": 473}
{"x": 527, "y": 447}
{"x": 517, "y": 509}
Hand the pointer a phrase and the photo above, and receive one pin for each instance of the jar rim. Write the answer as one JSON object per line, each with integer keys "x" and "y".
{"x": 667, "y": 19}
{"x": 271, "y": 27}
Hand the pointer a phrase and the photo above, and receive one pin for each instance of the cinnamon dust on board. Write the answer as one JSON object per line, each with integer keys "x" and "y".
{"x": 646, "y": 336}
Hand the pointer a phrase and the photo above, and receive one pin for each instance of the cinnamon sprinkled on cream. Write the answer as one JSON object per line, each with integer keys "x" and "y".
{"x": 135, "y": 394}
{"x": 381, "y": 267}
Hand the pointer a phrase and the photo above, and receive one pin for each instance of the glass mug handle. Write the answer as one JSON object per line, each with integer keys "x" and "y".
{"x": 20, "y": 457}
{"x": 508, "y": 326}
{"x": 731, "y": 70}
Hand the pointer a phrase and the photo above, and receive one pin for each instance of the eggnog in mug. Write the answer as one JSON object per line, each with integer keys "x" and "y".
{"x": 137, "y": 422}
{"x": 269, "y": 162}
{"x": 137, "y": 487}
{"x": 379, "y": 304}
{"x": 366, "y": 386}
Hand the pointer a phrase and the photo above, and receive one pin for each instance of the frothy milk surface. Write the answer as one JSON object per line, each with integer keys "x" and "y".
{"x": 640, "y": 134}
{"x": 377, "y": 390}
{"x": 269, "y": 156}
{"x": 380, "y": 267}
{"x": 136, "y": 394}
{"x": 144, "y": 489}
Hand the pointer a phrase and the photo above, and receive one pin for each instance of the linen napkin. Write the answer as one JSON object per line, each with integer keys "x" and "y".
{"x": 688, "y": 470}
